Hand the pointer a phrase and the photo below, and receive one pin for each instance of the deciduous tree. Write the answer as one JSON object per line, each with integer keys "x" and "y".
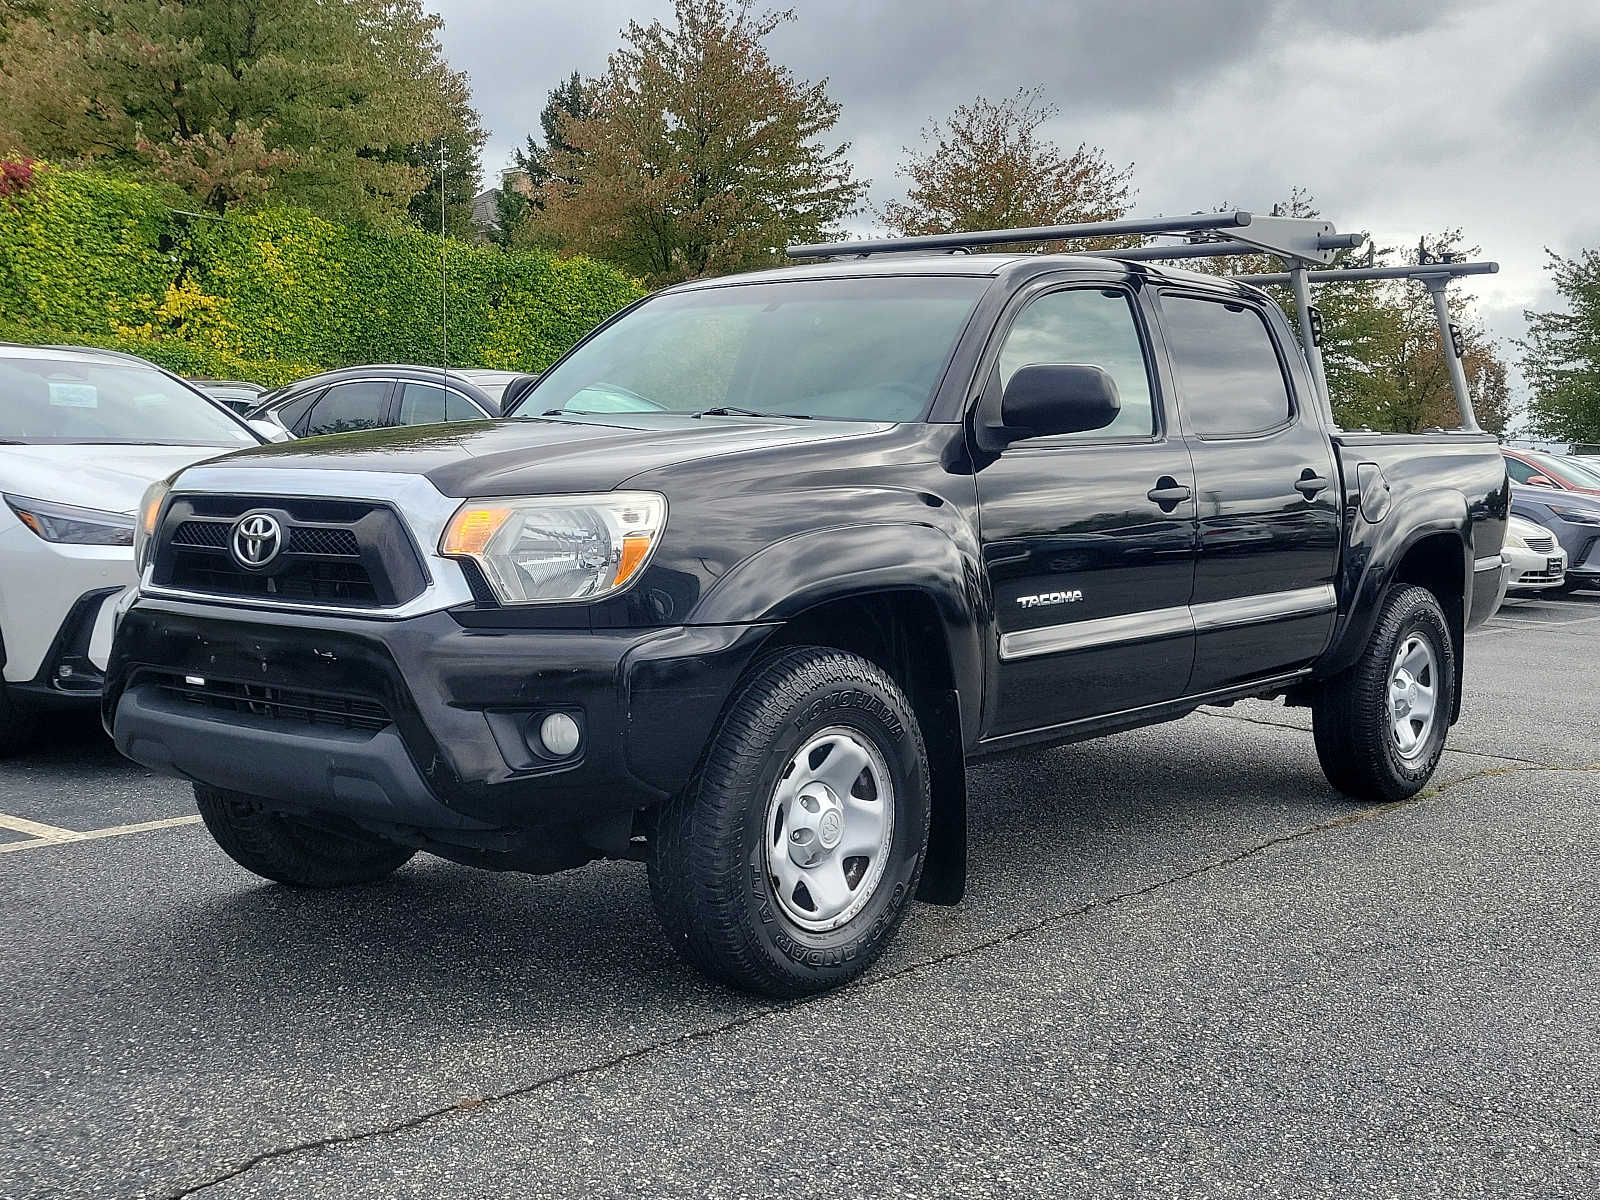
{"x": 991, "y": 166}
{"x": 1561, "y": 354}
{"x": 701, "y": 154}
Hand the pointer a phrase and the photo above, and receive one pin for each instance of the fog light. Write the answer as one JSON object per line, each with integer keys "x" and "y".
{"x": 559, "y": 733}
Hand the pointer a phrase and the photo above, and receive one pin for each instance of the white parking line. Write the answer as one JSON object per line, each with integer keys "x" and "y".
{"x": 1548, "y": 624}
{"x": 54, "y": 835}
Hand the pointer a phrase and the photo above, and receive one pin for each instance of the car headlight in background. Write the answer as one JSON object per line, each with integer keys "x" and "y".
{"x": 145, "y": 531}
{"x": 1576, "y": 516}
{"x": 1515, "y": 540}
{"x": 548, "y": 549}
{"x": 74, "y": 526}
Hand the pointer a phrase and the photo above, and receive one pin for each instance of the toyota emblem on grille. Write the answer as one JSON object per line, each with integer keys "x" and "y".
{"x": 257, "y": 538}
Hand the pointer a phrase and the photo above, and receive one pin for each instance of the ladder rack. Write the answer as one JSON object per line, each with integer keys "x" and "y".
{"x": 1300, "y": 242}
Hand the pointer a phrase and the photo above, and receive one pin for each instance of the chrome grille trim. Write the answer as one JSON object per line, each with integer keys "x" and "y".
{"x": 422, "y": 507}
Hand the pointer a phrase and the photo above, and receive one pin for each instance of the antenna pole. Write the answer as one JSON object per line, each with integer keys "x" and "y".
{"x": 444, "y": 280}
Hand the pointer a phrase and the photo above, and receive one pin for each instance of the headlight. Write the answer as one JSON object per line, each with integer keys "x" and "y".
{"x": 548, "y": 549}
{"x": 1515, "y": 540}
{"x": 149, "y": 512}
{"x": 1577, "y": 516}
{"x": 75, "y": 526}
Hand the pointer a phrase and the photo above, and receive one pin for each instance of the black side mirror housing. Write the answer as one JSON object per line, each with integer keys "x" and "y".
{"x": 1054, "y": 398}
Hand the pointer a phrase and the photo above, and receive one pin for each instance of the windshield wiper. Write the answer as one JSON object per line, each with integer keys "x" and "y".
{"x": 733, "y": 410}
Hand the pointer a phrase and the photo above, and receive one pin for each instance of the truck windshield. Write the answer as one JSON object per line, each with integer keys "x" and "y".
{"x": 64, "y": 400}
{"x": 855, "y": 349}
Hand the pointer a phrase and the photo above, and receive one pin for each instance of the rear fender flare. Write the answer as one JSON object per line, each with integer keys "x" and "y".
{"x": 1374, "y": 557}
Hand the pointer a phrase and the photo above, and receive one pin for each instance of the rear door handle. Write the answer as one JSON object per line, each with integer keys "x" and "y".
{"x": 1310, "y": 483}
{"x": 1168, "y": 493}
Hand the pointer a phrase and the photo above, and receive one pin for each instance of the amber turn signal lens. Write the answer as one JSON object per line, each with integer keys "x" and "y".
{"x": 634, "y": 551}
{"x": 471, "y": 528}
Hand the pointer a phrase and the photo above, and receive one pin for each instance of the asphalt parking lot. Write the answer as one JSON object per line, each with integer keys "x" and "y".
{"x": 1186, "y": 966}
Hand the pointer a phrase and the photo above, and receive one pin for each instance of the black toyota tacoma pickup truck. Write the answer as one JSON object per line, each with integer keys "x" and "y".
{"x": 757, "y": 569}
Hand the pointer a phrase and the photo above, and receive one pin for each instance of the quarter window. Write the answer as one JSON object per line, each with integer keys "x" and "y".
{"x": 1230, "y": 380}
{"x": 428, "y": 404}
{"x": 1093, "y": 327}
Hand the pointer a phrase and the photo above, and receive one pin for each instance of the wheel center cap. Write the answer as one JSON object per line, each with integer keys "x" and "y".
{"x": 830, "y": 828}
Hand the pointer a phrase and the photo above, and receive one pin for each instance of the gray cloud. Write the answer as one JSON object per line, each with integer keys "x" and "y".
{"x": 1401, "y": 116}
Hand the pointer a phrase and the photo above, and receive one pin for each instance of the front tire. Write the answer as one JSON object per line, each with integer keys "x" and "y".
{"x": 786, "y": 866}
{"x": 1380, "y": 726}
{"x": 293, "y": 851}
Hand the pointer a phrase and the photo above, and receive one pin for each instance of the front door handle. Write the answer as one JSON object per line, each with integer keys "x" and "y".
{"x": 1168, "y": 493}
{"x": 1310, "y": 483}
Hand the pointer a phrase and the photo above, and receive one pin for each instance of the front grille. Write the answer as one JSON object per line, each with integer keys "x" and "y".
{"x": 335, "y": 553}
{"x": 333, "y": 542}
{"x": 310, "y": 581}
{"x": 1540, "y": 545}
{"x": 1541, "y": 577}
{"x": 213, "y": 535}
{"x": 288, "y": 705}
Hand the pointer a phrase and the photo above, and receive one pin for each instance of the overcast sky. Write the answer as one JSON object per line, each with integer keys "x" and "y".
{"x": 1399, "y": 117}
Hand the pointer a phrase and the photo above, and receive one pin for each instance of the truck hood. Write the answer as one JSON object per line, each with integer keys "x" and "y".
{"x": 108, "y": 477}
{"x": 522, "y": 457}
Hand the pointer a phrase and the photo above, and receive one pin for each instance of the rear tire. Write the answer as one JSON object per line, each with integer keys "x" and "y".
{"x": 816, "y": 780}
{"x": 293, "y": 851}
{"x": 1373, "y": 741}
{"x": 18, "y": 725}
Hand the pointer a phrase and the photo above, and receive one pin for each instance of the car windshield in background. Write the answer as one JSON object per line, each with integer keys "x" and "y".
{"x": 850, "y": 349}
{"x": 52, "y": 400}
{"x": 1582, "y": 471}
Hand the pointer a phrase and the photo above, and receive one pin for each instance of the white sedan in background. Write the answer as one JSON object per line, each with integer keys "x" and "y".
{"x": 82, "y": 434}
{"x": 1532, "y": 560}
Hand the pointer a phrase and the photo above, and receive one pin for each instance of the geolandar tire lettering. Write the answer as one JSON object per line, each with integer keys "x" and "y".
{"x": 788, "y": 863}
{"x": 1380, "y": 726}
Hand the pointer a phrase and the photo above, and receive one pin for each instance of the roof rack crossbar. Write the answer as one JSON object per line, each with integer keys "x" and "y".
{"x": 1356, "y": 274}
{"x": 1194, "y": 223}
{"x": 1288, "y": 237}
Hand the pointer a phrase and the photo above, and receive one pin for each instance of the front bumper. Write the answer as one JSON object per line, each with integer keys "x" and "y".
{"x": 56, "y": 603}
{"x": 418, "y": 723}
{"x": 1529, "y": 570}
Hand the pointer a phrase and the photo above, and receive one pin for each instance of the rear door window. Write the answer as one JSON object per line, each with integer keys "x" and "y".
{"x": 1230, "y": 379}
{"x": 346, "y": 407}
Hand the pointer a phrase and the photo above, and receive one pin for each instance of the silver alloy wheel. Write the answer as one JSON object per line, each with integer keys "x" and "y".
{"x": 1413, "y": 696}
{"x": 830, "y": 824}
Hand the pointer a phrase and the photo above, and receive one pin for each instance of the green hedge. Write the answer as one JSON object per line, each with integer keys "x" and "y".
{"x": 275, "y": 294}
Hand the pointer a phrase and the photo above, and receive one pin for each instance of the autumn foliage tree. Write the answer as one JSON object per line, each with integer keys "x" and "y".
{"x": 701, "y": 154}
{"x": 990, "y": 166}
{"x": 326, "y": 103}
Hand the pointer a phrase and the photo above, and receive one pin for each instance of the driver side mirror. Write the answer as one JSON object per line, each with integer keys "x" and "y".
{"x": 1541, "y": 481}
{"x": 1055, "y": 398}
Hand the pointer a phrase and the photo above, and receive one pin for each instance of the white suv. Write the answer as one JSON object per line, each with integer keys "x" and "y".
{"x": 82, "y": 434}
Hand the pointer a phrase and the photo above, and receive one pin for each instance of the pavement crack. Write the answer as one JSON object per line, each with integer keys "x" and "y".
{"x": 666, "y": 1045}
{"x": 1232, "y": 716}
